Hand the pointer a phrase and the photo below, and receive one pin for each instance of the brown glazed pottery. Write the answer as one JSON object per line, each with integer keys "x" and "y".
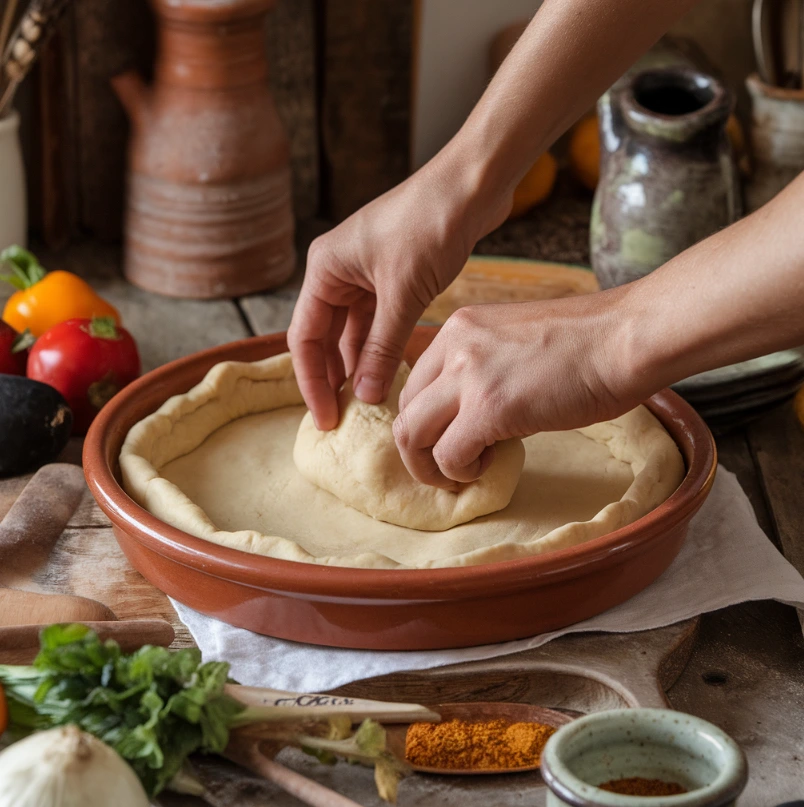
{"x": 777, "y": 139}
{"x": 209, "y": 189}
{"x": 667, "y": 175}
{"x": 387, "y": 609}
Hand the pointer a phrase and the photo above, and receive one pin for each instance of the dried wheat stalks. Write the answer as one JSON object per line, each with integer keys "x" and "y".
{"x": 35, "y": 28}
{"x": 9, "y": 12}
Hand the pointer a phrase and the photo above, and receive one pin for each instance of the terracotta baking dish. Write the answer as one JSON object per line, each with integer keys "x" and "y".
{"x": 387, "y": 609}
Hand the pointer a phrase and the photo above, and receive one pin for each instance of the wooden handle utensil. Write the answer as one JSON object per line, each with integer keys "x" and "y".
{"x": 37, "y": 519}
{"x": 356, "y": 708}
{"x": 247, "y": 753}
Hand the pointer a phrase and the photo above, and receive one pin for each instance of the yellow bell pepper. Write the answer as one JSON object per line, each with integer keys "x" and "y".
{"x": 44, "y": 299}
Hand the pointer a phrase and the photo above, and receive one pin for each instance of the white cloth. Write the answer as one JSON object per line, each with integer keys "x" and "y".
{"x": 726, "y": 559}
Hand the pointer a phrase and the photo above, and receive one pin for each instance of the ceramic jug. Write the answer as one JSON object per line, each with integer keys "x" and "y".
{"x": 209, "y": 189}
{"x": 777, "y": 140}
{"x": 667, "y": 174}
{"x": 13, "y": 206}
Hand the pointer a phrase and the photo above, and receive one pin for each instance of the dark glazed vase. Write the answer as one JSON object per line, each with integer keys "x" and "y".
{"x": 667, "y": 174}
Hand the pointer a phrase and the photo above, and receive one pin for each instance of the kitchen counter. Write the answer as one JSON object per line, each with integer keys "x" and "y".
{"x": 746, "y": 673}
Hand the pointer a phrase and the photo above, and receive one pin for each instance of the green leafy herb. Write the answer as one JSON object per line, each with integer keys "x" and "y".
{"x": 154, "y": 707}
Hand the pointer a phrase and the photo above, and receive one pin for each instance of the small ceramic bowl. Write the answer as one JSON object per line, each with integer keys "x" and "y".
{"x": 647, "y": 743}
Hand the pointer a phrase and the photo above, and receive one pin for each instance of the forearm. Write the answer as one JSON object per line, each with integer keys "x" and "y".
{"x": 572, "y": 52}
{"x": 737, "y": 295}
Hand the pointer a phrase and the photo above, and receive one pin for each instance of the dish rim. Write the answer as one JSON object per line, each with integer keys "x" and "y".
{"x": 315, "y": 581}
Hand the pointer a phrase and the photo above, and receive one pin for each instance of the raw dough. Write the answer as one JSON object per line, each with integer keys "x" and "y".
{"x": 217, "y": 463}
{"x": 359, "y": 462}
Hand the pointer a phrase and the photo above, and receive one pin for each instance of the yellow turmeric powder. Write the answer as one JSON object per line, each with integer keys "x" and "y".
{"x": 489, "y": 745}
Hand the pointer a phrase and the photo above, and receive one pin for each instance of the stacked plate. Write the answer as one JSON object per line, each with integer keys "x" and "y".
{"x": 731, "y": 396}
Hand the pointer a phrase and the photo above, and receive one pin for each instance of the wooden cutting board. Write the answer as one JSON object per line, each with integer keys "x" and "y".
{"x": 491, "y": 279}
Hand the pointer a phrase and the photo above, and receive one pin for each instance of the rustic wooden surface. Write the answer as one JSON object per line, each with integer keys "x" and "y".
{"x": 489, "y": 279}
{"x": 366, "y": 99}
{"x": 746, "y": 672}
{"x": 291, "y": 33}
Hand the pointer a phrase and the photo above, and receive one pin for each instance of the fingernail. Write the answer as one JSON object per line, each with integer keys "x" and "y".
{"x": 369, "y": 389}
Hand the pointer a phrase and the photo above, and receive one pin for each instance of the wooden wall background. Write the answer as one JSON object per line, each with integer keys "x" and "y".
{"x": 341, "y": 73}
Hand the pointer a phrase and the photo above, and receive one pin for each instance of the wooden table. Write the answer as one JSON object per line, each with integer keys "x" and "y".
{"x": 746, "y": 673}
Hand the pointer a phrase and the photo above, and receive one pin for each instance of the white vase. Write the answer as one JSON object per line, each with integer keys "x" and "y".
{"x": 13, "y": 204}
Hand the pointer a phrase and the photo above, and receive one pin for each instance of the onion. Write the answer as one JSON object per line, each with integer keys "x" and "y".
{"x": 65, "y": 767}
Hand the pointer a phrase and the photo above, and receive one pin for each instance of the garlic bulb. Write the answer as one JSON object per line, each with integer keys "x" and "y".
{"x": 65, "y": 767}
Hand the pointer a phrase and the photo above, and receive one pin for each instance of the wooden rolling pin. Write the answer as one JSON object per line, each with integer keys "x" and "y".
{"x": 19, "y": 644}
{"x": 32, "y": 608}
{"x": 37, "y": 519}
{"x": 28, "y": 534}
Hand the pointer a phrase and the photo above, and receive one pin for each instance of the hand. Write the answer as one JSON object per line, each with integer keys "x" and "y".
{"x": 499, "y": 371}
{"x": 369, "y": 280}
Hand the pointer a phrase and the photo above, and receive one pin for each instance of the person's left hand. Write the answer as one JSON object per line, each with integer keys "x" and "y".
{"x": 495, "y": 372}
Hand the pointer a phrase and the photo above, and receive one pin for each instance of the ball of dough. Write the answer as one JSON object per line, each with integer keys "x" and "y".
{"x": 359, "y": 463}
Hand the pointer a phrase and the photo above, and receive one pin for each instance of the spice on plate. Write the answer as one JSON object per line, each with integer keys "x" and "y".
{"x": 637, "y": 786}
{"x": 489, "y": 745}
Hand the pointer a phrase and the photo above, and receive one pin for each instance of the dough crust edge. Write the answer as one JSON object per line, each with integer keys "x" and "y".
{"x": 231, "y": 390}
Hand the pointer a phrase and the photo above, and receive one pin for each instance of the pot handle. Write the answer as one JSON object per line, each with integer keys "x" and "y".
{"x": 133, "y": 93}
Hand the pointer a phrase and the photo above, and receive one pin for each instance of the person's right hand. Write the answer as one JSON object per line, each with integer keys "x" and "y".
{"x": 369, "y": 280}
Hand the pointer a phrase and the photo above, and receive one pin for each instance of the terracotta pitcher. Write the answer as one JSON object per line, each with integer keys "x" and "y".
{"x": 668, "y": 178}
{"x": 209, "y": 200}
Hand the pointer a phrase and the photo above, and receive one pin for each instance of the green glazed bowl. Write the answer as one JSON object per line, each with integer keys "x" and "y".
{"x": 648, "y": 743}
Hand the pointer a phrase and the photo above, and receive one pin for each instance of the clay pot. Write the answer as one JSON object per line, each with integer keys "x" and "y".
{"x": 209, "y": 200}
{"x": 777, "y": 139}
{"x": 667, "y": 176}
{"x": 387, "y": 609}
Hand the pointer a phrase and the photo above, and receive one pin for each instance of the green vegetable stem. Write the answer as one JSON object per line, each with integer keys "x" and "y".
{"x": 155, "y": 707}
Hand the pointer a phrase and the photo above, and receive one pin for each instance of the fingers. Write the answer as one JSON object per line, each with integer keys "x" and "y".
{"x": 421, "y": 427}
{"x": 336, "y": 372}
{"x": 355, "y": 333}
{"x": 313, "y": 361}
{"x": 462, "y": 452}
{"x": 426, "y": 370}
{"x": 383, "y": 348}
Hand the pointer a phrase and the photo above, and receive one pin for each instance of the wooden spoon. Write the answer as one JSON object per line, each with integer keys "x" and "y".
{"x": 761, "y": 25}
{"x": 476, "y": 713}
{"x": 312, "y": 705}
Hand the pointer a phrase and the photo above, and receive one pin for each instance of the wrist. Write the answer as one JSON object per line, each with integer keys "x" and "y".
{"x": 647, "y": 354}
{"x": 483, "y": 191}
{"x": 633, "y": 370}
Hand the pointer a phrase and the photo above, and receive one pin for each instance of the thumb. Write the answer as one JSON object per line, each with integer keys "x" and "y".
{"x": 382, "y": 351}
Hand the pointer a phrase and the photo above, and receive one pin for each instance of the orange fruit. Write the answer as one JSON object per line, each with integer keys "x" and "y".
{"x": 584, "y": 148}
{"x": 799, "y": 404}
{"x": 535, "y": 186}
{"x": 735, "y": 133}
{"x": 584, "y": 152}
